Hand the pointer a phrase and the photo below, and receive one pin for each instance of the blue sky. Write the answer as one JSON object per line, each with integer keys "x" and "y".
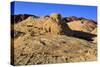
{"x": 42, "y": 9}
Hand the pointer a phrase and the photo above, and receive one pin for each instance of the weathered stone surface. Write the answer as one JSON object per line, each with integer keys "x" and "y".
{"x": 94, "y": 31}
{"x": 50, "y": 39}
{"x": 40, "y": 25}
{"x": 52, "y": 49}
{"x": 84, "y": 26}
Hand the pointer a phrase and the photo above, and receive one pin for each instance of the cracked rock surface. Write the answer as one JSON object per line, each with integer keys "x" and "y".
{"x": 52, "y": 49}
{"x": 52, "y": 39}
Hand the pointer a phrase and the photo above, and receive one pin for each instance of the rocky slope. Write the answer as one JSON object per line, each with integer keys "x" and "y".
{"x": 53, "y": 39}
{"x": 45, "y": 49}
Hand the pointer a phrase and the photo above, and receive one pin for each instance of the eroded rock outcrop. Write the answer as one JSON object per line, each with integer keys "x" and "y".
{"x": 52, "y": 49}
{"x": 51, "y": 39}
{"x": 94, "y": 31}
{"x": 40, "y": 25}
{"x": 82, "y": 25}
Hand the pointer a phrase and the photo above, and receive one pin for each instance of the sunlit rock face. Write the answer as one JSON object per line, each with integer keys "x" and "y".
{"x": 53, "y": 39}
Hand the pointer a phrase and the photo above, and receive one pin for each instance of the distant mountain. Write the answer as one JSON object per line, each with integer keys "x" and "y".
{"x": 80, "y": 24}
{"x": 20, "y": 17}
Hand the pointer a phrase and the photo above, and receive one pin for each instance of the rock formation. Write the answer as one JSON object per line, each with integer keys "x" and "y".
{"x": 40, "y": 25}
{"x": 53, "y": 39}
{"x": 45, "y": 49}
{"x": 94, "y": 31}
{"x": 82, "y": 25}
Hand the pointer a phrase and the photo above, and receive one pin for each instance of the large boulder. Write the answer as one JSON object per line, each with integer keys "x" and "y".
{"x": 56, "y": 17}
{"x": 53, "y": 24}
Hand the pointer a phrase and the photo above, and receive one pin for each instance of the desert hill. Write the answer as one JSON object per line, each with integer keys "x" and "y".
{"x": 53, "y": 39}
{"x": 55, "y": 24}
{"x": 45, "y": 49}
{"x": 20, "y": 17}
